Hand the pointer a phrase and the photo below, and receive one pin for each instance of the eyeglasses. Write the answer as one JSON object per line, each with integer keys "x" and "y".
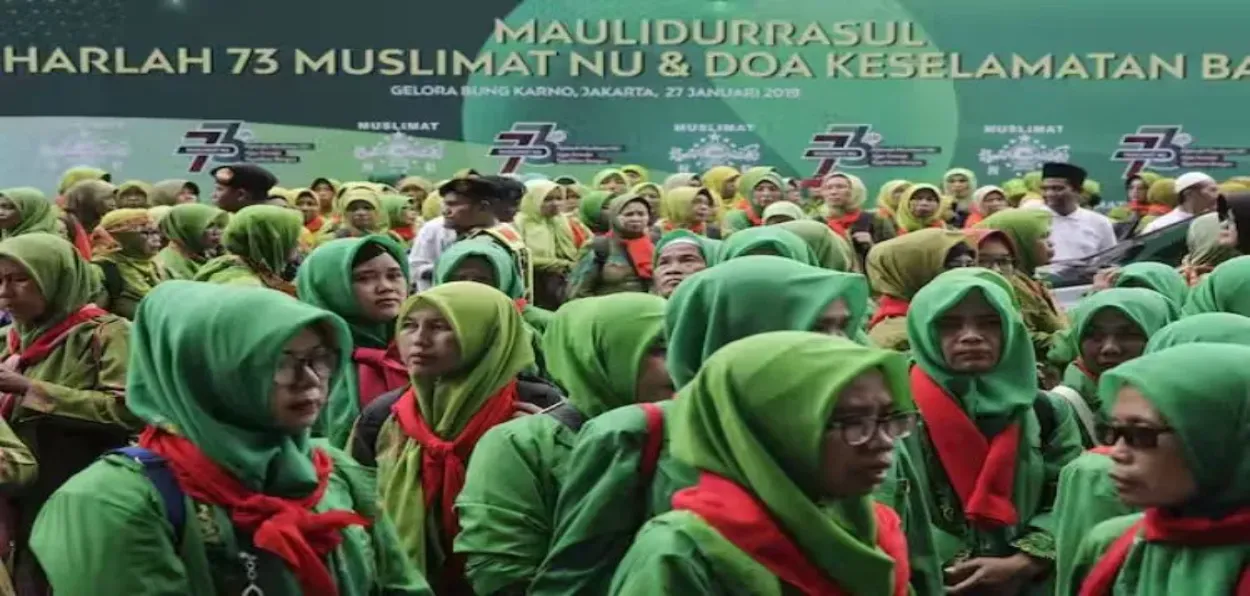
{"x": 1134, "y": 435}
{"x": 1001, "y": 263}
{"x": 858, "y": 431}
{"x": 321, "y": 364}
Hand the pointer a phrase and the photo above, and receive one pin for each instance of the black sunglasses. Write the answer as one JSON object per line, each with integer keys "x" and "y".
{"x": 1134, "y": 435}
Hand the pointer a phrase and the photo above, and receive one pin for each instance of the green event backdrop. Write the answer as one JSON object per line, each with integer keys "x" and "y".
{"x": 295, "y": 116}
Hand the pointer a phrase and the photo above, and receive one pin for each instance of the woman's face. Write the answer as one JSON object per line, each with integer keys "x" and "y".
{"x": 19, "y": 292}
{"x": 957, "y": 185}
{"x": 837, "y": 191}
{"x": 325, "y": 192}
{"x": 1111, "y": 339}
{"x": 211, "y": 238}
{"x": 835, "y": 319}
{"x": 1044, "y": 249}
{"x": 898, "y": 191}
{"x": 766, "y": 193}
{"x": 652, "y": 197}
{"x": 634, "y": 218}
{"x": 701, "y": 208}
{"x": 380, "y": 288}
{"x": 428, "y": 344}
{"x": 971, "y": 335}
{"x": 188, "y": 194}
{"x": 1137, "y": 190}
{"x": 992, "y": 203}
{"x": 1152, "y": 471}
{"x": 301, "y": 383}
{"x": 730, "y": 187}
{"x": 614, "y": 184}
{"x": 475, "y": 269}
{"x": 855, "y": 470}
{"x": 794, "y": 194}
{"x": 961, "y": 255}
{"x": 152, "y": 240}
{"x": 653, "y": 382}
{"x": 996, "y": 255}
{"x": 572, "y": 201}
{"x": 1228, "y": 233}
{"x": 362, "y": 215}
{"x": 9, "y": 216}
{"x": 132, "y": 199}
{"x": 677, "y": 261}
{"x": 552, "y": 202}
{"x": 308, "y": 207}
{"x": 633, "y": 177}
{"x": 924, "y": 204}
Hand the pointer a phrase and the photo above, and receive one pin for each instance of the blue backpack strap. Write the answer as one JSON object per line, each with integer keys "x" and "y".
{"x": 162, "y": 478}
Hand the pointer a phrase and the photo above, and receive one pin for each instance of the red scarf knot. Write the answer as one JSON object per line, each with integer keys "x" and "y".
{"x": 377, "y": 372}
{"x": 981, "y": 471}
{"x": 641, "y": 251}
{"x": 520, "y": 304}
{"x": 888, "y": 307}
{"x": 288, "y": 528}
{"x": 755, "y": 218}
{"x": 842, "y": 224}
{"x": 51, "y": 338}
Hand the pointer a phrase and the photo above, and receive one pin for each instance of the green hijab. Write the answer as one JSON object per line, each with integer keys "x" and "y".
{"x": 35, "y": 211}
{"x": 185, "y": 335}
{"x": 739, "y": 419}
{"x": 1155, "y": 276}
{"x": 1207, "y": 328}
{"x": 677, "y": 205}
{"x": 604, "y": 174}
{"x": 1025, "y": 227}
{"x": 1203, "y": 241}
{"x": 786, "y": 208}
{"x": 594, "y": 348}
{"x": 1001, "y": 393}
{"x": 185, "y": 224}
{"x": 1210, "y": 413}
{"x": 325, "y": 281}
{"x": 906, "y": 220}
{"x": 829, "y": 250}
{"x": 989, "y": 275}
{"x": 66, "y": 281}
{"x": 637, "y": 170}
{"x": 1149, "y": 310}
{"x": 507, "y": 277}
{"x": 724, "y": 303}
{"x": 752, "y": 178}
{"x": 590, "y": 210}
{"x": 782, "y": 242}
{"x": 966, "y": 173}
{"x": 264, "y": 234}
{"x": 166, "y": 192}
{"x": 705, "y": 246}
{"x": 78, "y": 174}
{"x": 394, "y": 206}
{"x": 899, "y": 267}
{"x": 1225, "y": 289}
{"x": 548, "y": 237}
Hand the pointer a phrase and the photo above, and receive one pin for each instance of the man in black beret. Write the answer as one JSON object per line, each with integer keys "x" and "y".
{"x": 243, "y": 185}
{"x": 481, "y": 207}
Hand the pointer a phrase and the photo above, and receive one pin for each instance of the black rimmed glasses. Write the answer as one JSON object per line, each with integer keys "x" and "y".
{"x": 321, "y": 363}
{"x": 858, "y": 431}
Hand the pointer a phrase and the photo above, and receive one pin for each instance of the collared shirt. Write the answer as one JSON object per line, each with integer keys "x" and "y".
{"x": 1080, "y": 234}
{"x": 431, "y": 241}
{"x": 1176, "y": 215}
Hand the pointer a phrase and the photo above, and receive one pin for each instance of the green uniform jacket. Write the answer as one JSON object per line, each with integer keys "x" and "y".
{"x": 1086, "y": 498}
{"x": 124, "y": 545}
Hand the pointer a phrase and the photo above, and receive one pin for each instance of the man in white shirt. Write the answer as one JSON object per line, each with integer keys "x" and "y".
{"x": 1196, "y": 194}
{"x": 433, "y": 238}
{"x": 1075, "y": 232}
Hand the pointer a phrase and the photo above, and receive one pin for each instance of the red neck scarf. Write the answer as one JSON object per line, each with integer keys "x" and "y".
{"x": 743, "y": 521}
{"x": 443, "y": 461}
{"x": 755, "y": 218}
{"x": 404, "y": 232}
{"x": 698, "y": 228}
{"x": 843, "y": 224}
{"x": 982, "y": 472}
{"x": 641, "y": 251}
{"x": 973, "y": 219}
{"x": 378, "y": 371}
{"x": 50, "y": 339}
{"x": 1158, "y": 209}
{"x": 82, "y": 240}
{"x": 1138, "y": 207}
{"x": 1161, "y": 527}
{"x": 888, "y": 307}
{"x": 285, "y": 527}
{"x": 579, "y": 233}
{"x": 314, "y": 226}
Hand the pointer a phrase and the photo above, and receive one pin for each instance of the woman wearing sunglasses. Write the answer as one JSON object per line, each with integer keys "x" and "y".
{"x": 1178, "y": 452}
{"x": 993, "y": 443}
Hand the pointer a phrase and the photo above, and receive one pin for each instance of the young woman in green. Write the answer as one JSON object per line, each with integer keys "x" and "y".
{"x": 606, "y": 352}
{"x": 761, "y": 187}
{"x": 783, "y": 500}
{"x": 267, "y": 510}
{"x": 64, "y": 395}
{"x": 194, "y": 233}
{"x": 126, "y": 244}
{"x": 900, "y": 267}
{"x": 364, "y": 281}
{"x": 487, "y": 263}
{"x": 993, "y": 444}
{"x": 1178, "y": 447}
{"x": 262, "y": 244}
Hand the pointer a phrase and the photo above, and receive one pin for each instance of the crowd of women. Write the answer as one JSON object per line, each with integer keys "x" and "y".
{"x": 730, "y": 383}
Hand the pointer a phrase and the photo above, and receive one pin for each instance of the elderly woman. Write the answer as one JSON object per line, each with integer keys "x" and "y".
{"x": 678, "y": 255}
{"x": 126, "y": 244}
{"x": 25, "y": 210}
{"x": 262, "y": 248}
{"x": 622, "y": 260}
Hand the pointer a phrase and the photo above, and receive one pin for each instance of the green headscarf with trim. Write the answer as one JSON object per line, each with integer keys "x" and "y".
{"x": 906, "y": 220}
{"x": 590, "y": 210}
{"x": 184, "y": 226}
{"x": 719, "y": 305}
{"x": 1007, "y": 390}
{"x": 829, "y": 250}
{"x": 1206, "y": 328}
{"x": 899, "y": 267}
{"x": 66, "y": 281}
{"x": 1150, "y": 311}
{"x": 594, "y": 348}
{"x": 637, "y": 170}
{"x": 325, "y": 281}
{"x": 1026, "y": 228}
{"x": 35, "y": 211}
{"x": 1225, "y": 289}
{"x": 394, "y": 206}
{"x": 706, "y": 247}
{"x": 966, "y": 173}
{"x": 1155, "y": 276}
{"x": 859, "y": 195}
{"x": 782, "y": 242}
{"x": 739, "y": 419}
{"x": 989, "y": 275}
{"x": 202, "y": 364}
{"x": 264, "y": 234}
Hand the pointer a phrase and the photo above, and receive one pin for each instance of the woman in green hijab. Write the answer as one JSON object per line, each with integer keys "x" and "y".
{"x": 134, "y": 194}
{"x": 25, "y": 210}
{"x": 782, "y": 212}
{"x": 487, "y": 263}
{"x": 829, "y": 250}
{"x": 620, "y": 261}
{"x": 65, "y": 388}
{"x": 128, "y": 241}
{"x": 919, "y": 208}
{"x": 993, "y": 445}
{"x": 1155, "y": 276}
{"x": 959, "y": 184}
{"x": 194, "y": 233}
{"x": 766, "y": 240}
{"x": 360, "y": 213}
{"x": 1205, "y": 250}
{"x": 464, "y": 345}
{"x": 1226, "y": 289}
{"x": 760, "y": 187}
{"x": 172, "y": 192}
{"x": 1209, "y": 328}
{"x": 611, "y": 180}
{"x": 1178, "y": 443}
{"x": 688, "y": 208}
{"x": 592, "y": 211}
{"x": 678, "y": 255}
{"x": 1029, "y": 231}
{"x": 553, "y": 240}
{"x": 78, "y": 174}
{"x": 636, "y": 174}
{"x": 843, "y": 211}
{"x": 364, "y": 281}
{"x": 269, "y": 511}
{"x": 401, "y": 218}
{"x": 607, "y": 352}
{"x": 898, "y": 268}
{"x": 654, "y": 195}
{"x": 262, "y": 244}
{"x": 619, "y": 474}
{"x": 780, "y": 476}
